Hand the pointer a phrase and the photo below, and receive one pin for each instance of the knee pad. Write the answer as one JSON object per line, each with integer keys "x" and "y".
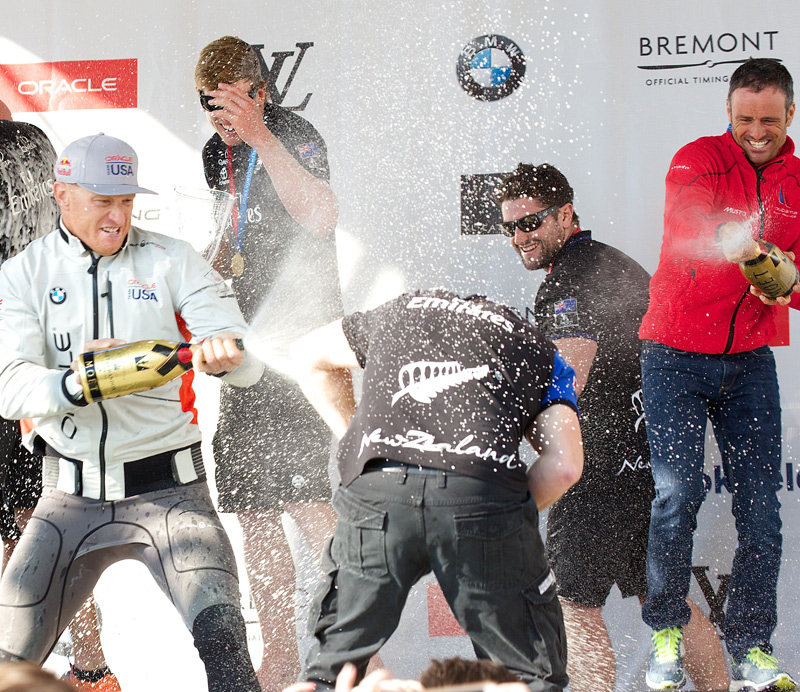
{"x": 221, "y": 640}
{"x": 219, "y": 626}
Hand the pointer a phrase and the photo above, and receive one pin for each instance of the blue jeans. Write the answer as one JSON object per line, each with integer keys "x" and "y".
{"x": 739, "y": 394}
{"x": 480, "y": 540}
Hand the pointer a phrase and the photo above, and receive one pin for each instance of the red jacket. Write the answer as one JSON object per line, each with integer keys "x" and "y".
{"x": 699, "y": 301}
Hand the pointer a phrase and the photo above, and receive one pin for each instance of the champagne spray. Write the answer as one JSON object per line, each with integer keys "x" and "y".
{"x": 762, "y": 263}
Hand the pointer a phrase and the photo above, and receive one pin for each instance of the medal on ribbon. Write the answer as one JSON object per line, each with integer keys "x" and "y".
{"x": 237, "y": 264}
{"x": 240, "y": 215}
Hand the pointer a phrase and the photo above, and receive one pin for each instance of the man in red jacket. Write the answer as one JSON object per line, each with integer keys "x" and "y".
{"x": 705, "y": 355}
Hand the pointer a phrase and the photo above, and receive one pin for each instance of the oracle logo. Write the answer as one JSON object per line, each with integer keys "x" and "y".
{"x": 52, "y": 86}
{"x": 69, "y": 85}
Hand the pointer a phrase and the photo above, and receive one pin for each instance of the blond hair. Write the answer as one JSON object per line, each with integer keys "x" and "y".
{"x": 225, "y": 61}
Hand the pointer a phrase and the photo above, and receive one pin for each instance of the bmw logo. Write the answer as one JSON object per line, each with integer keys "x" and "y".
{"x": 490, "y": 67}
{"x": 299, "y": 482}
{"x": 58, "y": 295}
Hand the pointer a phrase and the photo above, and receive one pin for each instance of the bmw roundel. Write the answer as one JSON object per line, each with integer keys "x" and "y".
{"x": 58, "y": 295}
{"x": 490, "y": 67}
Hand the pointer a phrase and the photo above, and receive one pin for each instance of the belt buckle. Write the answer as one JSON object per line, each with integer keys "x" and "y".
{"x": 183, "y": 466}
{"x": 69, "y": 477}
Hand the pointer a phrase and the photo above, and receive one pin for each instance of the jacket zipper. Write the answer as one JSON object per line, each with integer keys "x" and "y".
{"x": 761, "y": 224}
{"x": 96, "y": 335}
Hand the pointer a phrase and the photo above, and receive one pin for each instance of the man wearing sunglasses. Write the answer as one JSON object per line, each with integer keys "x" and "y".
{"x": 591, "y": 304}
{"x": 271, "y": 450}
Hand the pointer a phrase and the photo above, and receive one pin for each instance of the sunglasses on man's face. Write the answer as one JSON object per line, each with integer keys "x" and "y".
{"x": 205, "y": 100}
{"x": 529, "y": 223}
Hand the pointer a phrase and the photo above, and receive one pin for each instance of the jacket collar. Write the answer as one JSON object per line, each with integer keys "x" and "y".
{"x": 786, "y": 150}
{"x": 577, "y": 236}
{"x": 77, "y": 247}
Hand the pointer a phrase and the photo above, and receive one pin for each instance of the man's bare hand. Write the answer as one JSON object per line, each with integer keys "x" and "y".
{"x": 95, "y": 345}
{"x": 737, "y": 244}
{"x": 244, "y": 114}
{"x": 377, "y": 681}
{"x": 218, "y": 354}
{"x": 782, "y": 300}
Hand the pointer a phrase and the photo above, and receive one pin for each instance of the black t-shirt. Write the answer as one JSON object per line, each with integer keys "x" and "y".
{"x": 290, "y": 285}
{"x": 27, "y": 207}
{"x": 596, "y": 292}
{"x": 450, "y": 384}
{"x": 285, "y": 267}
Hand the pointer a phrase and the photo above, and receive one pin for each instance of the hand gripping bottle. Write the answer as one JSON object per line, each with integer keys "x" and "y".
{"x": 134, "y": 367}
{"x": 770, "y": 270}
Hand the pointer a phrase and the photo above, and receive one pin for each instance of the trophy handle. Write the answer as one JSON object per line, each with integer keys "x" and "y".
{"x": 204, "y": 219}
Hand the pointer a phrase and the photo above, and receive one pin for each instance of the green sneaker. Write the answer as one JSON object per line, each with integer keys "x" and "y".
{"x": 759, "y": 671}
{"x": 665, "y": 671}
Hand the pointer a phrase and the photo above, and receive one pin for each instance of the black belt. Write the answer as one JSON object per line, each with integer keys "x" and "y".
{"x": 157, "y": 472}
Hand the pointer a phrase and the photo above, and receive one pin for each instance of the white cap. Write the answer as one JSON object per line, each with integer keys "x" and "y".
{"x": 102, "y": 164}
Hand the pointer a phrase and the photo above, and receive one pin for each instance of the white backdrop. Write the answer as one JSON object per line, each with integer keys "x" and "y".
{"x": 401, "y": 132}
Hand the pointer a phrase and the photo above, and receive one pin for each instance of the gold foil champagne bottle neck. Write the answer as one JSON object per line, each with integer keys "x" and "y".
{"x": 770, "y": 270}
{"x": 134, "y": 367}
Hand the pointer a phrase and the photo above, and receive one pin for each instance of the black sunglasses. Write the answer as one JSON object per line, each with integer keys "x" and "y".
{"x": 529, "y": 223}
{"x": 205, "y": 100}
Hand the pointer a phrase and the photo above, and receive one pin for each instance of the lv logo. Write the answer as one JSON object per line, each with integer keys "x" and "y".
{"x": 271, "y": 74}
{"x": 716, "y": 601}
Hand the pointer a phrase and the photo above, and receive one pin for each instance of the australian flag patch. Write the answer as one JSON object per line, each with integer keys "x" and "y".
{"x": 308, "y": 150}
{"x": 566, "y": 312}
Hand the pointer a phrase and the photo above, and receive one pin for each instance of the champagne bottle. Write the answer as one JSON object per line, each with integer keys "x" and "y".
{"x": 134, "y": 367}
{"x": 770, "y": 270}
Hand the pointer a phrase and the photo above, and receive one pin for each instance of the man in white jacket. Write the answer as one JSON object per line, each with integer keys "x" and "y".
{"x": 123, "y": 477}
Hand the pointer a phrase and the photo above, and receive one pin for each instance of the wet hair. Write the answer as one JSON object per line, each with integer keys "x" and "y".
{"x": 544, "y": 183}
{"x": 757, "y": 74}
{"x": 225, "y": 61}
{"x": 22, "y": 676}
{"x": 459, "y": 671}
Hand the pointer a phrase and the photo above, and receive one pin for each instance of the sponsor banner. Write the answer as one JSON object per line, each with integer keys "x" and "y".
{"x": 69, "y": 85}
{"x": 490, "y": 67}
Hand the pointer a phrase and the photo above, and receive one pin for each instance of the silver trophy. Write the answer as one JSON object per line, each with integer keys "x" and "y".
{"x": 201, "y": 217}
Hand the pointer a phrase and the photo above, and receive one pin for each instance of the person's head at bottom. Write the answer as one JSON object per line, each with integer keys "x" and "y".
{"x": 461, "y": 671}
{"x": 22, "y": 676}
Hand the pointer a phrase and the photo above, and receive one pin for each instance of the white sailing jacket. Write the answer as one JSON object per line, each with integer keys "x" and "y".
{"x": 57, "y": 295}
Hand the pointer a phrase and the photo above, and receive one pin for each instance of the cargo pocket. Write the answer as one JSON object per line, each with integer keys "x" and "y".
{"x": 489, "y": 550}
{"x": 359, "y": 543}
{"x": 546, "y": 628}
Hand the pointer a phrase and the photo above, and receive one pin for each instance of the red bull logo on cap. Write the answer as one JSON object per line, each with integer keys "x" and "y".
{"x": 64, "y": 167}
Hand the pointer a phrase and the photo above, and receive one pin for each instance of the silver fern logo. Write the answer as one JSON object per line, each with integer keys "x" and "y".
{"x": 424, "y": 381}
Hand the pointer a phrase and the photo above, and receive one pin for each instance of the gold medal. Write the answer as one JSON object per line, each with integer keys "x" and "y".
{"x": 237, "y": 264}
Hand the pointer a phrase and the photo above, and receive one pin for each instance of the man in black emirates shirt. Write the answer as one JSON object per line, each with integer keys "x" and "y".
{"x": 591, "y": 304}
{"x": 432, "y": 480}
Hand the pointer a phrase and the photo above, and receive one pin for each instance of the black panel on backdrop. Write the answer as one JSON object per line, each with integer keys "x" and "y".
{"x": 479, "y": 213}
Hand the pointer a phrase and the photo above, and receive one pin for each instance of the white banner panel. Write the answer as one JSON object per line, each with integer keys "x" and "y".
{"x": 610, "y": 91}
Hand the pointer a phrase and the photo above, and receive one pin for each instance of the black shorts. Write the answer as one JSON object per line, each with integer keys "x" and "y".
{"x": 597, "y": 540}
{"x": 270, "y": 447}
{"x": 20, "y": 477}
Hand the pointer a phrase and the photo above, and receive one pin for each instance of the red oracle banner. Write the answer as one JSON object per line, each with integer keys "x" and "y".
{"x": 69, "y": 85}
